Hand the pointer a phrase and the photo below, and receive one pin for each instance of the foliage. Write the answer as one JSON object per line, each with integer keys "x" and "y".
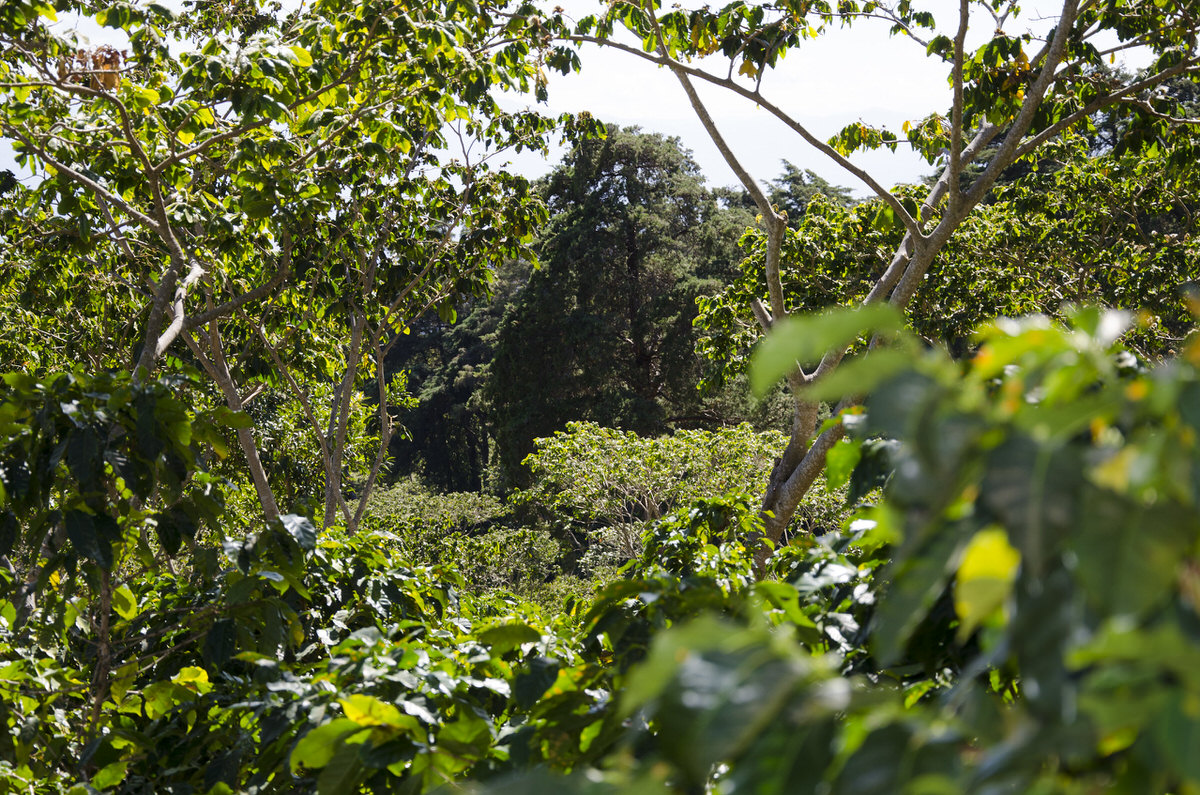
{"x": 989, "y": 626}
{"x": 794, "y": 190}
{"x": 270, "y": 192}
{"x": 468, "y": 533}
{"x": 832, "y": 253}
{"x": 90, "y": 465}
{"x": 449, "y": 442}
{"x": 1016, "y": 91}
{"x": 1020, "y": 610}
{"x": 1076, "y": 229}
{"x": 1113, "y": 230}
{"x": 605, "y": 326}
{"x": 616, "y": 481}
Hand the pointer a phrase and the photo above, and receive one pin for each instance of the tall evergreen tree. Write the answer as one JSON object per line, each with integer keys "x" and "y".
{"x": 603, "y": 331}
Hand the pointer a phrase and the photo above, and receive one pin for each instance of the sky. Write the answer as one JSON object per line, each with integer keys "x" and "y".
{"x": 844, "y": 76}
{"x": 840, "y": 78}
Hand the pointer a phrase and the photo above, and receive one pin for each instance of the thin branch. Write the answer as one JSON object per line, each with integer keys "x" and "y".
{"x": 86, "y": 181}
{"x": 230, "y": 306}
{"x": 765, "y": 321}
{"x": 956, "y": 122}
{"x": 306, "y": 405}
{"x": 728, "y": 83}
{"x": 772, "y": 219}
{"x": 386, "y": 430}
{"x": 1100, "y": 103}
{"x": 1008, "y": 151}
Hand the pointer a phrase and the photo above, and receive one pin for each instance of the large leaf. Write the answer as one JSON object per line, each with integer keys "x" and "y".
{"x": 533, "y": 681}
{"x": 508, "y": 635}
{"x": 800, "y": 339}
{"x": 915, "y": 584}
{"x": 984, "y": 580}
{"x": 316, "y": 748}
{"x": 302, "y": 529}
{"x": 1128, "y": 554}
{"x": 85, "y": 534}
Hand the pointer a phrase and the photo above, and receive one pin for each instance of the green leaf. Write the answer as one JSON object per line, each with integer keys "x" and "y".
{"x": 886, "y": 220}
{"x": 531, "y": 682}
{"x": 172, "y": 526}
{"x": 302, "y": 529}
{"x": 110, "y": 775}
{"x": 468, "y": 736}
{"x": 145, "y": 97}
{"x": 985, "y": 579}
{"x": 303, "y": 57}
{"x": 860, "y": 374}
{"x": 806, "y": 338}
{"x": 232, "y": 419}
{"x": 507, "y": 636}
{"x": 316, "y": 748}
{"x": 342, "y": 772}
{"x": 258, "y": 208}
{"x": 840, "y": 462}
{"x": 916, "y": 582}
{"x": 369, "y": 711}
{"x": 220, "y": 642}
{"x": 125, "y": 603}
{"x": 85, "y": 536}
{"x": 1127, "y": 553}
{"x": 1177, "y": 732}
{"x": 83, "y": 456}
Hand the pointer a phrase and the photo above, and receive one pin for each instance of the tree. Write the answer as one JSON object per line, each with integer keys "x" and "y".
{"x": 604, "y": 328}
{"x": 792, "y": 191}
{"x": 1080, "y": 227}
{"x": 208, "y": 188}
{"x": 621, "y": 482}
{"x": 190, "y": 237}
{"x": 449, "y": 432}
{"x": 1022, "y": 90}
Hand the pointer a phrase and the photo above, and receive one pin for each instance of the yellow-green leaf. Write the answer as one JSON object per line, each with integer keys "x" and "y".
{"x": 370, "y": 711}
{"x": 110, "y": 775}
{"x": 194, "y": 679}
{"x": 303, "y": 58}
{"x": 985, "y": 579}
{"x": 125, "y": 603}
{"x": 316, "y": 748}
{"x": 806, "y": 338}
{"x": 145, "y": 96}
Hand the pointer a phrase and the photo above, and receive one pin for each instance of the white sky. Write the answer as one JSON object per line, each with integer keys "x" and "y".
{"x": 843, "y": 76}
{"x": 839, "y": 78}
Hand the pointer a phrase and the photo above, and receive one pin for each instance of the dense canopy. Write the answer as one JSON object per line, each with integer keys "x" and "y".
{"x": 337, "y": 457}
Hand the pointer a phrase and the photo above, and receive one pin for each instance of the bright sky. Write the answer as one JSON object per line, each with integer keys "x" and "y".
{"x": 846, "y": 75}
{"x": 843, "y": 76}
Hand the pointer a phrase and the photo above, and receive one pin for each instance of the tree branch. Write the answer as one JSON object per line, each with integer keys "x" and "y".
{"x": 728, "y": 83}
{"x": 956, "y": 114}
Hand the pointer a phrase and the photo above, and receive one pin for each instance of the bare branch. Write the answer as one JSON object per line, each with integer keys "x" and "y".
{"x": 87, "y": 182}
{"x": 1008, "y": 151}
{"x": 728, "y": 83}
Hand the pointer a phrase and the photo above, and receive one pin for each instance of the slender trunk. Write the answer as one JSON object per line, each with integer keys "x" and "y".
{"x": 339, "y": 426}
{"x": 218, "y": 370}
